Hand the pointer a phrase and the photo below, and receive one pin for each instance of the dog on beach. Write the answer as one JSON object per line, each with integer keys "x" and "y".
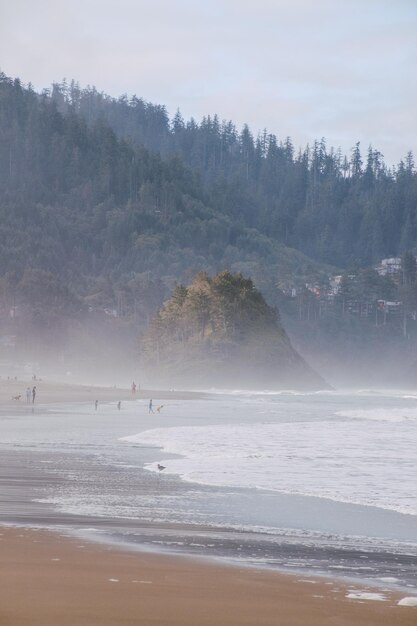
{"x": 16, "y": 397}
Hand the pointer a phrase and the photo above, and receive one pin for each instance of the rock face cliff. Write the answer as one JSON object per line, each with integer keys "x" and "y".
{"x": 220, "y": 332}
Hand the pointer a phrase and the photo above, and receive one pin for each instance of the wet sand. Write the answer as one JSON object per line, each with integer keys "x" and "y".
{"x": 46, "y": 580}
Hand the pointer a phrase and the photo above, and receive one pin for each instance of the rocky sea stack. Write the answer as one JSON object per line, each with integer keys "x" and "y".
{"x": 220, "y": 332}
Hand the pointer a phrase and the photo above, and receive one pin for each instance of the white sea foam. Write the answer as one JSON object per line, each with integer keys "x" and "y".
{"x": 268, "y": 393}
{"x": 369, "y": 463}
{"x": 143, "y": 582}
{"x": 389, "y": 579}
{"x": 366, "y": 595}
{"x": 382, "y": 414}
{"x": 409, "y": 601}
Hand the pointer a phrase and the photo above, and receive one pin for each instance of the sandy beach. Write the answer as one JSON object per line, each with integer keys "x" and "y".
{"x": 47, "y": 580}
{"x": 50, "y": 392}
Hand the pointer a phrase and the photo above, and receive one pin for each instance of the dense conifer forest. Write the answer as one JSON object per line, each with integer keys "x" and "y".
{"x": 337, "y": 209}
{"x": 106, "y": 204}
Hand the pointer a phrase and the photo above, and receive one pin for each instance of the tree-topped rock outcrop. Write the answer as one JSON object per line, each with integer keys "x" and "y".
{"x": 220, "y": 332}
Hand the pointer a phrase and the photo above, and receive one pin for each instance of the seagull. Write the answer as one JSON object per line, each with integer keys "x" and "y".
{"x": 161, "y": 467}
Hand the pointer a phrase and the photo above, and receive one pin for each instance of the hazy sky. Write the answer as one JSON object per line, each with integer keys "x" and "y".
{"x": 343, "y": 69}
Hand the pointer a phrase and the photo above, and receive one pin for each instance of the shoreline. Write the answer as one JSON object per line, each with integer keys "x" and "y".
{"x": 13, "y": 394}
{"x": 44, "y": 564}
{"x": 47, "y": 578}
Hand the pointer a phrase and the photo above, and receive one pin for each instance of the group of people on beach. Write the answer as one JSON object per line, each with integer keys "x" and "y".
{"x": 150, "y": 406}
{"x": 31, "y": 395}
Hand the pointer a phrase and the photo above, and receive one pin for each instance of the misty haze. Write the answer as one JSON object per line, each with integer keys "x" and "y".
{"x": 208, "y": 314}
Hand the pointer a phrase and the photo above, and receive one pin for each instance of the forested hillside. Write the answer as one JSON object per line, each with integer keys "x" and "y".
{"x": 106, "y": 204}
{"x": 338, "y": 209}
{"x": 76, "y": 198}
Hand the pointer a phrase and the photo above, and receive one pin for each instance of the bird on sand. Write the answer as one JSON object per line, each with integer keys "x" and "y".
{"x": 161, "y": 467}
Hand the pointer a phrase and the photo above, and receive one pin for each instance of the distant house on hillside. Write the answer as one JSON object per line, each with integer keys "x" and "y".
{"x": 356, "y": 307}
{"x": 390, "y": 267}
{"x": 314, "y": 289}
{"x": 392, "y": 308}
{"x": 335, "y": 284}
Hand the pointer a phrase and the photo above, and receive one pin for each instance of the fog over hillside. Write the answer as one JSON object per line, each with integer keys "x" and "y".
{"x": 106, "y": 205}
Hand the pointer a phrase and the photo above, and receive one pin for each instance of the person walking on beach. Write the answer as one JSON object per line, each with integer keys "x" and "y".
{"x": 150, "y": 406}
{"x": 28, "y": 394}
{"x": 119, "y": 405}
{"x": 96, "y": 404}
{"x": 133, "y": 387}
{"x": 33, "y": 395}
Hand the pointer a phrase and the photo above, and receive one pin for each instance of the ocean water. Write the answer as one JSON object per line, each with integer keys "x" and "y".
{"x": 365, "y": 457}
{"x": 319, "y": 481}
